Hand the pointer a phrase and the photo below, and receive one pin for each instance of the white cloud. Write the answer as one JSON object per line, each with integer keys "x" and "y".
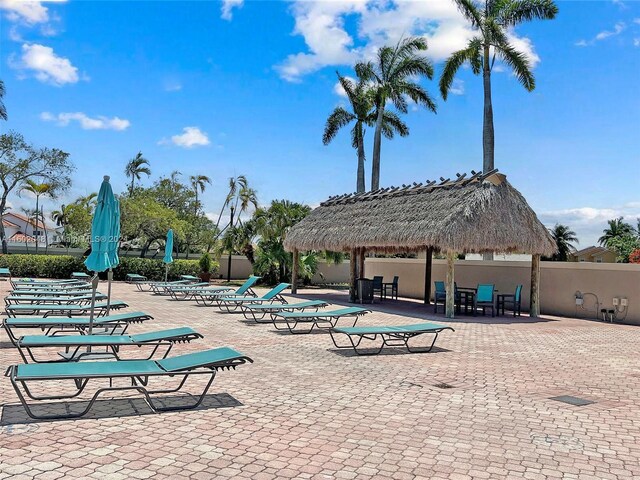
{"x": 191, "y": 137}
{"x": 228, "y": 6}
{"x": 457, "y": 88}
{"x": 87, "y": 123}
{"x": 26, "y": 11}
{"x": 46, "y": 66}
{"x": 322, "y": 25}
{"x": 636, "y": 42}
{"x": 618, "y": 28}
{"x": 589, "y": 222}
{"x": 636, "y": 21}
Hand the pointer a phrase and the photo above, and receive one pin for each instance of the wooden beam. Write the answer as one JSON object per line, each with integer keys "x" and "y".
{"x": 353, "y": 274}
{"x": 294, "y": 272}
{"x": 450, "y": 286}
{"x": 427, "y": 276}
{"x": 534, "y": 305}
{"x": 361, "y": 257}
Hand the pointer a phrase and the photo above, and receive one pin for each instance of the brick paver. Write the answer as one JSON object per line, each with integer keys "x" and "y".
{"x": 304, "y": 410}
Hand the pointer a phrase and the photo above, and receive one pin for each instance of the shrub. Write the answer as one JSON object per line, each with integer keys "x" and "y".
{"x": 46, "y": 266}
{"x": 62, "y": 266}
{"x": 205, "y": 263}
{"x": 634, "y": 257}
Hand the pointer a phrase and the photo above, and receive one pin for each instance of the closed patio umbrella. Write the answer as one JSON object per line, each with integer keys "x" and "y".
{"x": 105, "y": 240}
{"x": 168, "y": 253}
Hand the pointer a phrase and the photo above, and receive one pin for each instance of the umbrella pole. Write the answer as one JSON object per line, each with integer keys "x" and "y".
{"x": 166, "y": 271}
{"x": 110, "y": 278}
{"x": 94, "y": 287}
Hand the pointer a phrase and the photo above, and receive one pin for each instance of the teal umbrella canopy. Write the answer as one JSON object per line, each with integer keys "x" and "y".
{"x": 105, "y": 231}
{"x": 168, "y": 249}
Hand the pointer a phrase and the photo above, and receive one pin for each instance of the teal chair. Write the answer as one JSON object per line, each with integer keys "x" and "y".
{"x": 377, "y": 285}
{"x": 514, "y": 300}
{"x": 484, "y": 299}
{"x": 440, "y": 296}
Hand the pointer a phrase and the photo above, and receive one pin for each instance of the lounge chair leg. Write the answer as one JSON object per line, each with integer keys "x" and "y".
{"x": 420, "y": 350}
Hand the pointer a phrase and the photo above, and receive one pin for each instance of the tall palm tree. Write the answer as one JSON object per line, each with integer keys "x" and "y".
{"x": 3, "y": 109}
{"x": 392, "y": 78}
{"x": 363, "y": 113}
{"x": 135, "y": 168}
{"x": 61, "y": 219}
{"x": 564, "y": 238}
{"x": 199, "y": 184}
{"x": 39, "y": 190}
{"x": 617, "y": 228}
{"x": 492, "y": 20}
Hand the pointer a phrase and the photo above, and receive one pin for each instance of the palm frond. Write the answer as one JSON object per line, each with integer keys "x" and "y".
{"x": 471, "y": 11}
{"x": 417, "y": 94}
{"x": 519, "y": 64}
{"x": 470, "y": 54}
{"x": 514, "y": 12}
{"x": 338, "y": 119}
{"x": 392, "y": 124}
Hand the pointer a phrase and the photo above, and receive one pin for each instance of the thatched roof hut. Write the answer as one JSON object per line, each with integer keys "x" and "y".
{"x": 478, "y": 213}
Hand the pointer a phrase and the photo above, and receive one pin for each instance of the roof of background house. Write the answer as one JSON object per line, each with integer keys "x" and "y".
{"x": 30, "y": 221}
{"x": 477, "y": 213}
{"x": 592, "y": 250}
{"x": 7, "y": 223}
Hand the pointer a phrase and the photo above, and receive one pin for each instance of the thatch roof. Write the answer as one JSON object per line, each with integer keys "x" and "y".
{"x": 480, "y": 213}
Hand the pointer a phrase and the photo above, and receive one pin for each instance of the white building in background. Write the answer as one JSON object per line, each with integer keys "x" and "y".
{"x": 22, "y": 231}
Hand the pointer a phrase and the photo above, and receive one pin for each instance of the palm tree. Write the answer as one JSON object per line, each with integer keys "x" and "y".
{"x": 493, "y": 19}
{"x": 3, "y": 109}
{"x": 362, "y": 103}
{"x": 564, "y": 238}
{"x": 137, "y": 166}
{"x": 61, "y": 219}
{"x": 38, "y": 189}
{"x": 392, "y": 81}
{"x": 199, "y": 183}
{"x": 617, "y": 228}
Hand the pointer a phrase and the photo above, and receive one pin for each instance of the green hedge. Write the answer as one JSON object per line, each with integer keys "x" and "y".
{"x": 62, "y": 266}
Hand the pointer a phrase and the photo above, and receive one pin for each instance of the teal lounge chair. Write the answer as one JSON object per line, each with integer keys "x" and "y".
{"x": 50, "y": 293}
{"x": 257, "y": 311}
{"x": 48, "y": 310}
{"x": 80, "y": 276}
{"x": 53, "y": 299}
{"x": 209, "y": 296}
{"x": 321, "y": 319}
{"x": 169, "y": 289}
{"x": 75, "y": 344}
{"x": 190, "y": 278}
{"x": 134, "y": 277}
{"x": 53, "y": 325}
{"x": 61, "y": 285}
{"x": 158, "y": 287}
{"x": 232, "y": 303}
{"x": 190, "y": 292}
{"x": 396, "y": 336}
{"x": 5, "y": 273}
{"x": 140, "y": 374}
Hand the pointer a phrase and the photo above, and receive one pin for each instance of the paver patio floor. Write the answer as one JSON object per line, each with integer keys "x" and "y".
{"x": 305, "y": 410}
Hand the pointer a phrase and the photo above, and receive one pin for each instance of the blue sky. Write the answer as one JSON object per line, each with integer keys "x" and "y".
{"x": 228, "y": 88}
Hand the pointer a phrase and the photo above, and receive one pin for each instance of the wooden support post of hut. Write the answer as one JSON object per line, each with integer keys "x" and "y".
{"x": 361, "y": 257}
{"x": 353, "y": 274}
{"x": 294, "y": 272}
{"x": 427, "y": 276}
{"x": 534, "y": 305}
{"x": 450, "y": 286}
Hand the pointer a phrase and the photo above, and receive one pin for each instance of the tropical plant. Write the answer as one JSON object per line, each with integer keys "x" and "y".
{"x": 363, "y": 113}
{"x": 492, "y": 21}
{"x": 199, "y": 184}
{"x": 20, "y": 161}
{"x": 624, "y": 245}
{"x": 392, "y": 80}
{"x": 3, "y": 109}
{"x": 205, "y": 263}
{"x": 136, "y": 167}
{"x": 61, "y": 219}
{"x": 38, "y": 190}
{"x": 565, "y": 239}
{"x": 634, "y": 257}
{"x": 617, "y": 228}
